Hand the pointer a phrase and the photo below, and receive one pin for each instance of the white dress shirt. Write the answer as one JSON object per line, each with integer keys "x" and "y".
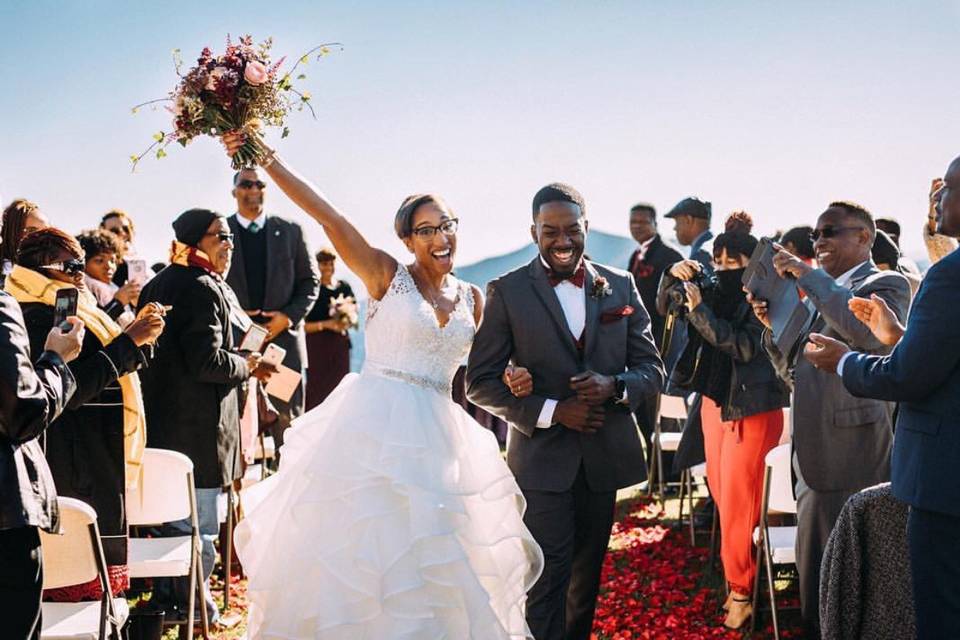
{"x": 261, "y": 221}
{"x": 573, "y": 301}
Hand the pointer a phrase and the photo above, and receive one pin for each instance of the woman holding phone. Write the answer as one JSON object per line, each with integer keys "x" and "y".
{"x": 95, "y": 446}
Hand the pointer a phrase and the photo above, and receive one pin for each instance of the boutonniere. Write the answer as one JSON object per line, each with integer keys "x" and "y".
{"x": 601, "y": 288}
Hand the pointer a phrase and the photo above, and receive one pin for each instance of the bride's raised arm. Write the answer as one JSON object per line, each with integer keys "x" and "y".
{"x": 374, "y": 266}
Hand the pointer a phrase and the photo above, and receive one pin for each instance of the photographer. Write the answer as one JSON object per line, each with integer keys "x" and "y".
{"x": 94, "y": 448}
{"x": 741, "y": 411}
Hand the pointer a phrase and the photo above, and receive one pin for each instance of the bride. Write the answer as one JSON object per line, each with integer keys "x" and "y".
{"x": 393, "y": 515}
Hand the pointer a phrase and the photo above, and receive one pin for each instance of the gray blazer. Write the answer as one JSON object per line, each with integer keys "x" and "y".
{"x": 523, "y": 322}
{"x": 842, "y": 443}
{"x": 292, "y": 282}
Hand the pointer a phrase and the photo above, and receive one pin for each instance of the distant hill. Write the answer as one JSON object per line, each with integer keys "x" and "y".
{"x": 607, "y": 248}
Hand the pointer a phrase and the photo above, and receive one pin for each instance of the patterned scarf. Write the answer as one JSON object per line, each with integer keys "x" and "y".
{"x": 187, "y": 256}
{"x": 27, "y": 286}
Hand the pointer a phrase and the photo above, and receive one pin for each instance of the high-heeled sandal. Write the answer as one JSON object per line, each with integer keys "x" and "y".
{"x": 739, "y": 613}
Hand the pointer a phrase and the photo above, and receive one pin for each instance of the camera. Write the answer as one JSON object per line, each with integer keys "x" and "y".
{"x": 706, "y": 282}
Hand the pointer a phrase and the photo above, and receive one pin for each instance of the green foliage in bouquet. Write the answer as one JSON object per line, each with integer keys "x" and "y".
{"x": 240, "y": 90}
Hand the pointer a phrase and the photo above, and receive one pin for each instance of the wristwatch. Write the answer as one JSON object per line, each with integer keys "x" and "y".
{"x": 621, "y": 388}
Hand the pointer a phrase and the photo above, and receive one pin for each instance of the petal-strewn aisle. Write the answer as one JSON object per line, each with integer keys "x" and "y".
{"x": 654, "y": 586}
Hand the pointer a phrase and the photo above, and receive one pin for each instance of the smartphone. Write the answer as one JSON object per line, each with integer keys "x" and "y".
{"x": 65, "y": 306}
{"x": 137, "y": 270}
{"x": 273, "y": 355}
{"x": 254, "y": 338}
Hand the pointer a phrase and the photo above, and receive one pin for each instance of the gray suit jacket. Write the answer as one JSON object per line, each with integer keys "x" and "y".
{"x": 842, "y": 443}
{"x": 523, "y": 322}
{"x": 292, "y": 282}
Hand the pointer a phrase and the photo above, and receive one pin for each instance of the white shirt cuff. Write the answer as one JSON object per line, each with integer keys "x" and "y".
{"x": 626, "y": 397}
{"x": 842, "y": 360}
{"x": 546, "y": 414}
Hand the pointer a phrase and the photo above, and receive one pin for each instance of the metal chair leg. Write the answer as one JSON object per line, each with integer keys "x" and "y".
{"x": 773, "y": 593}
{"x": 204, "y": 618}
{"x": 756, "y": 581}
{"x": 693, "y": 527}
{"x": 228, "y": 552}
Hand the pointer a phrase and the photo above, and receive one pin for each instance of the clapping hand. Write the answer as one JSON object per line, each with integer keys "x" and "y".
{"x": 277, "y": 324}
{"x": 879, "y": 318}
{"x": 823, "y": 352}
{"x": 936, "y": 186}
{"x": 519, "y": 380}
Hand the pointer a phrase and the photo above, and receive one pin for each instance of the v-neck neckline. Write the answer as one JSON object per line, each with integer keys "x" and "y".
{"x": 433, "y": 310}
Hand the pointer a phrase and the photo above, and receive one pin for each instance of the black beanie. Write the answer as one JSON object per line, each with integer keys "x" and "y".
{"x": 191, "y": 225}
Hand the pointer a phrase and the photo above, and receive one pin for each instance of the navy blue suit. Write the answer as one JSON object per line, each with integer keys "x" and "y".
{"x": 923, "y": 375}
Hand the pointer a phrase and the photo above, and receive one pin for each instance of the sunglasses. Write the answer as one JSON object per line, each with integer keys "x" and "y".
{"x": 249, "y": 184}
{"x": 69, "y": 267}
{"x": 831, "y": 232}
{"x": 222, "y": 236}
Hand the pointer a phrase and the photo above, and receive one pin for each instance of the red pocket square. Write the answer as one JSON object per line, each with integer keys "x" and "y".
{"x": 615, "y": 314}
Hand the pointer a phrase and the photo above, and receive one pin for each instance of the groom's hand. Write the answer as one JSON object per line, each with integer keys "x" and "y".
{"x": 575, "y": 414}
{"x": 593, "y": 388}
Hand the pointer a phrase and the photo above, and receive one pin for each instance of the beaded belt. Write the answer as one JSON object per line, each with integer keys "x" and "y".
{"x": 420, "y": 381}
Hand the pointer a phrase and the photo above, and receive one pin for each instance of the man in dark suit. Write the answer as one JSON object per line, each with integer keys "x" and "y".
{"x": 647, "y": 265}
{"x": 275, "y": 280}
{"x": 31, "y": 397}
{"x": 581, "y": 330}
{"x": 190, "y": 390}
{"x": 923, "y": 375}
{"x": 841, "y": 444}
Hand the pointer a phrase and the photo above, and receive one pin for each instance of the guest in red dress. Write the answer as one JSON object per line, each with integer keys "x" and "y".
{"x": 328, "y": 345}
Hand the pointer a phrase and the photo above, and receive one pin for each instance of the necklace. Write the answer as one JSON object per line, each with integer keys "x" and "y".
{"x": 434, "y": 300}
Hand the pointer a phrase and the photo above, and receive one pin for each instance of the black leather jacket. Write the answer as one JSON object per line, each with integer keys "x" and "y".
{"x": 754, "y": 384}
{"x": 31, "y": 397}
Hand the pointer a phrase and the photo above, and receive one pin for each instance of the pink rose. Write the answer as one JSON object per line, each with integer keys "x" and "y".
{"x": 255, "y": 73}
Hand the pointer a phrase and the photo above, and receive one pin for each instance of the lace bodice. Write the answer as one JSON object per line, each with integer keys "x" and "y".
{"x": 404, "y": 339}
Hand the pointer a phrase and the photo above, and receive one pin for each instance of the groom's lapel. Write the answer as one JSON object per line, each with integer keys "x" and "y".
{"x": 593, "y": 310}
{"x": 541, "y": 286}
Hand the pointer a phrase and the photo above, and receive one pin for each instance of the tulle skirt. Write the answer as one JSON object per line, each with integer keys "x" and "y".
{"x": 393, "y": 517}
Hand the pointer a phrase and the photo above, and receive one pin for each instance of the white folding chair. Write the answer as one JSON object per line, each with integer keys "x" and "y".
{"x": 668, "y": 407}
{"x": 166, "y": 494}
{"x": 75, "y": 556}
{"x": 775, "y": 545}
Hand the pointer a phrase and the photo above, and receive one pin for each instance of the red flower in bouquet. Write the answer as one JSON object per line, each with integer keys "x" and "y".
{"x": 239, "y": 90}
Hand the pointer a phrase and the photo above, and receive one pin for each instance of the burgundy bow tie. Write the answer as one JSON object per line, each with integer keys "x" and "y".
{"x": 576, "y": 278}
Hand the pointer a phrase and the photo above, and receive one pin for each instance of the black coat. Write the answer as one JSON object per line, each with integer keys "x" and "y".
{"x": 31, "y": 397}
{"x": 84, "y": 446}
{"x": 647, "y": 274}
{"x": 754, "y": 385}
{"x": 190, "y": 389}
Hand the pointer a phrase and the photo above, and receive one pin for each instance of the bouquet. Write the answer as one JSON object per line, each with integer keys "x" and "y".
{"x": 239, "y": 90}
{"x": 344, "y": 310}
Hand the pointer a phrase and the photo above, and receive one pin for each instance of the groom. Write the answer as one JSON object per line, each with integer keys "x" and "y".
{"x": 582, "y": 331}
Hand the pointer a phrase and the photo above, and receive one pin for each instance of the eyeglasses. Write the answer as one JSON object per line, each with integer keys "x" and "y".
{"x": 831, "y": 232}
{"x": 69, "y": 267}
{"x": 249, "y": 184}
{"x": 222, "y": 236}
{"x": 447, "y": 228}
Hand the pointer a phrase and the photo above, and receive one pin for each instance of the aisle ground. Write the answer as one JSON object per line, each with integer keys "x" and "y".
{"x": 655, "y": 585}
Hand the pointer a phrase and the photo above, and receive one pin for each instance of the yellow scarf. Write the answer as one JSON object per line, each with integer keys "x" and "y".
{"x": 29, "y": 286}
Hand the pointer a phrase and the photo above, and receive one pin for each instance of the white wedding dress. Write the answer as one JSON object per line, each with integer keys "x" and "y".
{"x": 393, "y": 515}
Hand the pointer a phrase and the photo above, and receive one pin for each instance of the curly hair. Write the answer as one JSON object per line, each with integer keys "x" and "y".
{"x": 42, "y": 247}
{"x": 14, "y": 221}
{"x": 736, "y": 237}
{"x": 95, "y": 242}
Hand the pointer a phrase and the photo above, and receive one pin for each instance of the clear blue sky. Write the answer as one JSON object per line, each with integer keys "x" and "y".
{"x": 776, "y": 108}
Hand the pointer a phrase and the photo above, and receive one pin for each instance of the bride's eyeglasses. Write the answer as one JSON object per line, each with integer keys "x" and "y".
{"x": 447, "y": 228}
{"x": 69, "y": 267}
